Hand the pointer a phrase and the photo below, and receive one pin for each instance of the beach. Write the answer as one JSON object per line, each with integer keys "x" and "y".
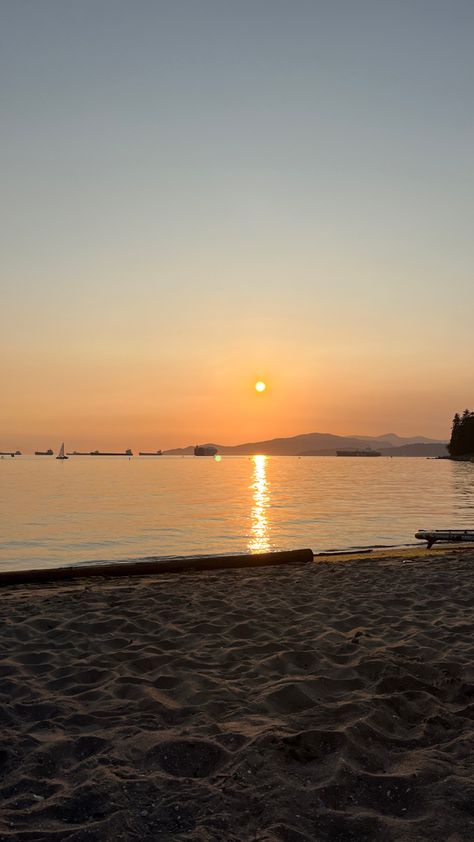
{"x": 327, "y": 701}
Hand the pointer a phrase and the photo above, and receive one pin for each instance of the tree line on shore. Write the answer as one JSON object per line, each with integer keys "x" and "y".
{"x": 462, "y": 435}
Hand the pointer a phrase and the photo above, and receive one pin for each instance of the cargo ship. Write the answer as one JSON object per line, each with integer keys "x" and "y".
{"x": 127, "y": 452}
{"x": 367, "y": 452}
{"x": 205, "y": 450}
{"x": 48, "y": 452}
{"x": 152, "y": 453}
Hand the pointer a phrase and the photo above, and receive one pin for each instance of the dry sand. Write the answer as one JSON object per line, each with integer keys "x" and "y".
{"x": 329, "y": 701}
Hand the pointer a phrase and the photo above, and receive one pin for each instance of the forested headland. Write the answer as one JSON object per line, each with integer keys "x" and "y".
{"x": 461, "y": 444}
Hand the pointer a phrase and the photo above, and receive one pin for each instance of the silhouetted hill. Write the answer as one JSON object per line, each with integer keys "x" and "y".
{"x": 421, "y": 449}
{"x": 320, "y": 444}
{"x": 398, "y": 441}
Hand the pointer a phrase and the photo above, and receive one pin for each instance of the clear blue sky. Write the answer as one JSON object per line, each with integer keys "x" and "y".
{"x": 198, "y": 194}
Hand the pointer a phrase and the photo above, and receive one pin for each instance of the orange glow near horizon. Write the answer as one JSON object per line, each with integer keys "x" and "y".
{"x": 172, "y": 267}
{"x": 110, "y": 398}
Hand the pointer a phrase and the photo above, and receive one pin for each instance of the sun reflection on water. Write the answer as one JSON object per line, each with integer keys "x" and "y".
{"x": 260, "y": 531}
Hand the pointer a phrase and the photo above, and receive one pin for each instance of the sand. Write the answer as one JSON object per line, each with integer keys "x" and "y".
{"x": 328, "y": 701}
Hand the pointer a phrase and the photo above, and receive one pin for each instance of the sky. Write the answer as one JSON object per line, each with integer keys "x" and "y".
{"x": 198, "y": 194}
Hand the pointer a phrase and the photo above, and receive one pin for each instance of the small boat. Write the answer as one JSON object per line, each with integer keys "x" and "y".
{"x": 205, "y": 450}
{"x": 367, "y": 452}
{"x": 152, "y": 453}
{"x": 61, "y": 454}
{"x": 48, "y": 452}
{"x": 432, "y": 536}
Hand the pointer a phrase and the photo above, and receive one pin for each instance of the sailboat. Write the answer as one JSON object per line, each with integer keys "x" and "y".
{"x": 61, "y": 454}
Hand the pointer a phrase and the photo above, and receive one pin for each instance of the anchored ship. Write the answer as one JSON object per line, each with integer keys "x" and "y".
{"x": 205, "y": 450}
{"x": 367, "y": 452}
{"x": 127, "y": 452}
{"x": 150, "y": 453}
{"x": 48, "y": 452}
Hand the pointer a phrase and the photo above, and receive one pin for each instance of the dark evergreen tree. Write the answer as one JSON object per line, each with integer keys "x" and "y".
{"x": 462, "y": 435}
{"x": 454, "y": 443}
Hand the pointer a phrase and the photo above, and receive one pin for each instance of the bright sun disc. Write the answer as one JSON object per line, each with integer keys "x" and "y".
{"x": 260, "y": 386}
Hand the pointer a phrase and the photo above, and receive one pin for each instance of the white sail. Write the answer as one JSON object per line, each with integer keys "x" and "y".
{"x": 61, "y": 452}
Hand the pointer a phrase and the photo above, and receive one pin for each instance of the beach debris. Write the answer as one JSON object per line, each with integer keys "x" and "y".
{"x": 454, "y": 535}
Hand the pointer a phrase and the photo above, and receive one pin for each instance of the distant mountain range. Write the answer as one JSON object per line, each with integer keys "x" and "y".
{"x": 326, "y": 444}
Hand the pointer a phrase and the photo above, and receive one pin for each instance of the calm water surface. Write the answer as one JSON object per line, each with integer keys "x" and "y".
{"x": 85, "y": 509}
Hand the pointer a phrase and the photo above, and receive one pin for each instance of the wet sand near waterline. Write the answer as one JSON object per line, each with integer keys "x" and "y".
{"x": 329, "y": 701}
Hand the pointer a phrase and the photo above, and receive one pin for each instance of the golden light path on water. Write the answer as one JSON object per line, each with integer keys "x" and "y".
{"x": 104, "y": 509}
{"x": 260, "y": 531}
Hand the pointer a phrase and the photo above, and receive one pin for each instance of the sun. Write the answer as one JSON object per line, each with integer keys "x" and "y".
{"x": 260, "y": 386}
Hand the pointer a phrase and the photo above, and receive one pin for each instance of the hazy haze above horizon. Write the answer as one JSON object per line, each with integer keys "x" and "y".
{"x": 198, "y": 195}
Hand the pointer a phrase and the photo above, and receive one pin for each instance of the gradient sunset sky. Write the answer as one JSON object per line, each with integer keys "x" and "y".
{"x": 197, "y": 194}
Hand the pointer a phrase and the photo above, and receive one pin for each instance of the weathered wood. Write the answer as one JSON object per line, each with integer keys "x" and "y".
{"x": 153, "y": 566}
{"x": 432, "y": 536}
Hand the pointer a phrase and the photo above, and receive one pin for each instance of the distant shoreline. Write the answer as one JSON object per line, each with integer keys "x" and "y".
{"x": 19, "y": 574}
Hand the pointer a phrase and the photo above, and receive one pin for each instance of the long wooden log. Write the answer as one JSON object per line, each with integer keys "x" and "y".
{"x": 152, "y": 566}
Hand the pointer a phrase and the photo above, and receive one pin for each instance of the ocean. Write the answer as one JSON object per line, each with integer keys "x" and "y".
{"x": 112, "y": 508}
